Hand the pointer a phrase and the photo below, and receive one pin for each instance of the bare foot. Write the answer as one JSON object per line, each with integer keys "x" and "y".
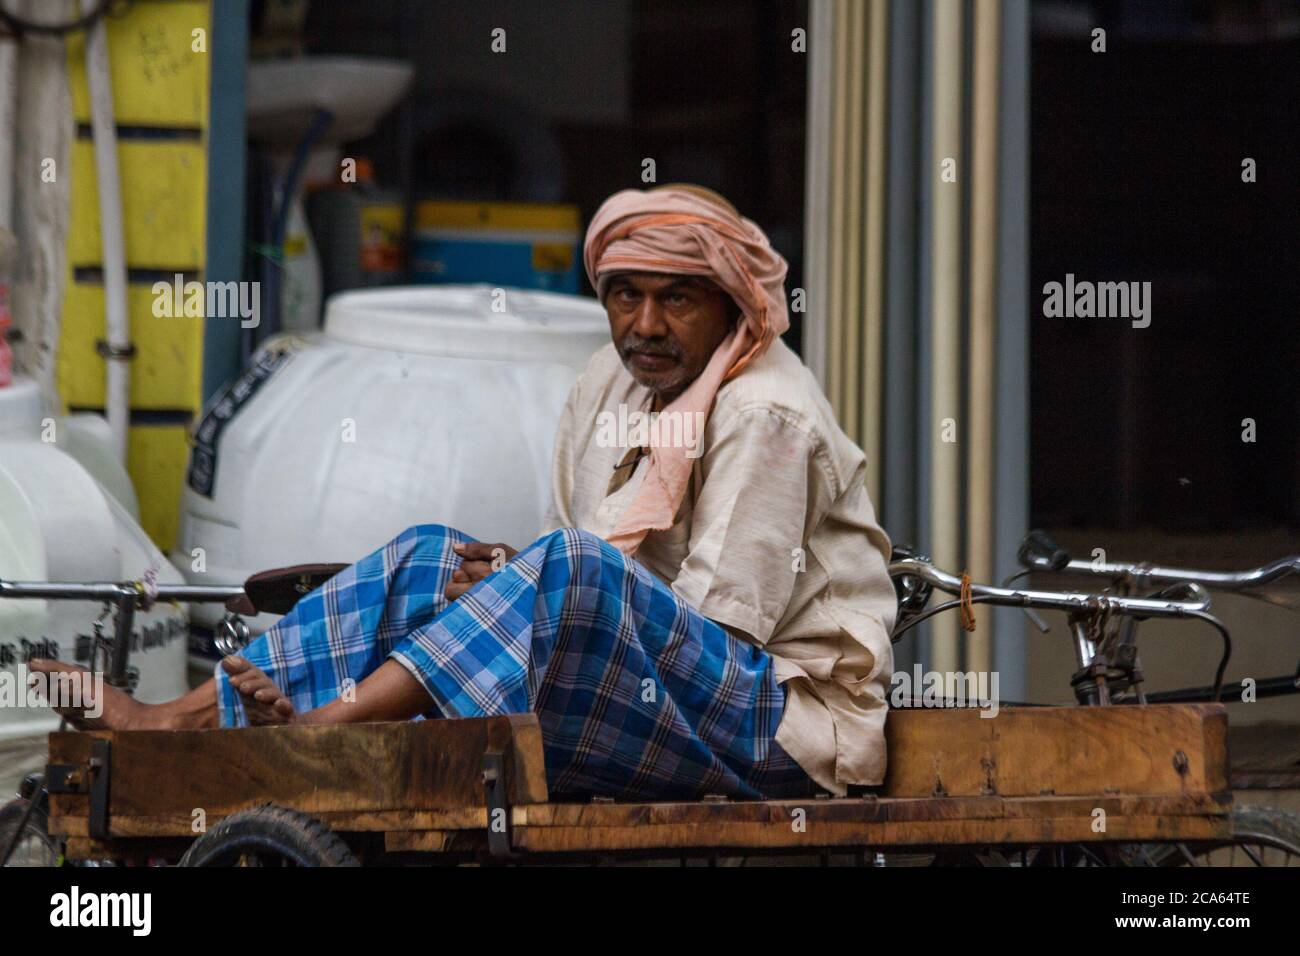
{"x": 86, "y": 701}
{"x": 264, "y": 703}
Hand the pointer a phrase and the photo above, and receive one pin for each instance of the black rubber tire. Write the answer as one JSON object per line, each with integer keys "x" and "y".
{"x": 271, "y": 832}
{"x": 35, "y": 847}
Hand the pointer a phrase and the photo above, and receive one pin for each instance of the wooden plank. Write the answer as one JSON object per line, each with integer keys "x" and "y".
{"x": 888, "y": 822}
{"x": 1028, "y": 751}
{"x": 561, "y": 828}
{"x": 527, "y": 763}
{"x": 417, "y": 841}
{"x": 913, "y": 834}
{"x": 378, "y": 821}
{"x": 160, "y": 779}
{"x": 1030, "y": 774}
{"x": 768, "y": 814}
{"x": 780, "y": 813}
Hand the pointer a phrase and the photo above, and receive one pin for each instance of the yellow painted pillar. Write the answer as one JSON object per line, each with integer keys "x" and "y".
{"x": 159, "y": 64}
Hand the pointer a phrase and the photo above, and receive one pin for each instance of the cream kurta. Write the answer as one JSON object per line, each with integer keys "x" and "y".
{"x": 776, "y": 540}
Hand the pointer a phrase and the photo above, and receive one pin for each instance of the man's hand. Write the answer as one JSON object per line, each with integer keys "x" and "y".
{"x": 478, "y": 561}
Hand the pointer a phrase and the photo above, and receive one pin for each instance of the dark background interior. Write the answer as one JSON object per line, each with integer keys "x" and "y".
{"x": 1135, "y": 176}
{"x": 700, "y": 86}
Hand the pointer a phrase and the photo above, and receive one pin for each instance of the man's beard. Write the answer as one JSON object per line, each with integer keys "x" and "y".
{"x": 671, "y": 380}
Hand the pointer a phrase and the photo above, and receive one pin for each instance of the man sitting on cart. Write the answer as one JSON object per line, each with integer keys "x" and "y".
{"x": 708, "y": 611}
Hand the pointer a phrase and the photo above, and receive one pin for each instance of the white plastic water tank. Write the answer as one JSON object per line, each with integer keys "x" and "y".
{"x": 67, "y": 513}
{"x": 413, "y": 405}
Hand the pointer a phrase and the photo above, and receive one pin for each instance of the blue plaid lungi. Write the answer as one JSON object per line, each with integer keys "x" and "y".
{"x": 638, "y": 695}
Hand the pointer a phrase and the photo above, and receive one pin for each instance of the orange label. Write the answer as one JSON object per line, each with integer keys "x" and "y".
{"x": 381, "y": 238}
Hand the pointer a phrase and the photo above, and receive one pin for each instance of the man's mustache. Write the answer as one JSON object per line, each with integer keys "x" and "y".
{"x": 662, "y": 347}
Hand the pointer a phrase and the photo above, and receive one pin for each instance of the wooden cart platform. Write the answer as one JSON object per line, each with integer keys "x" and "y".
{"x": 1036, "y": 775}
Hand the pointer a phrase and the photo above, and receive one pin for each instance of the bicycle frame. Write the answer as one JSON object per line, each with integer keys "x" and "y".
{"x": 1039, "y": 553}
{"x": 125, "y": 597}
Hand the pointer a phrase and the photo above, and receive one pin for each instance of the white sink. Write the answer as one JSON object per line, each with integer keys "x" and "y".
{"x": 284, "y": 95}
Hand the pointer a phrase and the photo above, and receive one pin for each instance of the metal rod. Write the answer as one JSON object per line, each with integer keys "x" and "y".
{"x": 109, "y": 591}
{"x": 1264, "y": 687}
{"x": 1084, "y": 649}
{"x": 1223, "y": 580}
{"x": 1056, "y": 600}
{"x": 123, "y": 622}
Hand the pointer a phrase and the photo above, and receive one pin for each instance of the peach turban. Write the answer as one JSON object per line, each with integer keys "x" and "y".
{"x": 688, "y": 230}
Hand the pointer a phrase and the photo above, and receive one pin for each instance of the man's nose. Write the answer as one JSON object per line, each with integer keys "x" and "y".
{"x": 648, "y": 323}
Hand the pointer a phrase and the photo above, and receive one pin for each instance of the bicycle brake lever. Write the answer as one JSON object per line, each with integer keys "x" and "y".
{"x": 1043, "y": 626}
{"x": 1182, "y": 591}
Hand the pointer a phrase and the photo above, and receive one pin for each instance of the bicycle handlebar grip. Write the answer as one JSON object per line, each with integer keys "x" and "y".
{"x": 1042, "y": 553}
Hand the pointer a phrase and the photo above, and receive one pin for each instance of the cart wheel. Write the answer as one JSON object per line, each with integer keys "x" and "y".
{"x": 269, "y": 836}
{"x": 34, "y": 846}
{"x": 1261, "y": 836}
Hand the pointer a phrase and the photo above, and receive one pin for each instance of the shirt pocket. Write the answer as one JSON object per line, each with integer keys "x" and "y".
{"x": 868, "y": 656}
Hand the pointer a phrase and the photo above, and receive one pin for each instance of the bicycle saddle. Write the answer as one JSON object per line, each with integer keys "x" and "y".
{"x": 276, "y": 591}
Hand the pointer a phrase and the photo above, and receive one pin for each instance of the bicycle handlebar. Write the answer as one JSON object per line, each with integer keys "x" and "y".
{"x": 1038, "y": 552}
{"x": 1223, "y": 580}
{"x": 1198, "y": 601}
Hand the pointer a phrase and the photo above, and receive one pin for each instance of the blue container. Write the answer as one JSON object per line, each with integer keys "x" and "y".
{"x": 522, "y": 245}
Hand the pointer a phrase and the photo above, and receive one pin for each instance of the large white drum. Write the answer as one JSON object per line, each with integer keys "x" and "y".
{"x": 413, "y": 405}
{"x": 67, "y": 513}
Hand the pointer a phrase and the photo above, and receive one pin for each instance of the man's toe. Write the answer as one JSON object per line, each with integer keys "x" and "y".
{"x": 235, "y": 665}
{"x": 254, "y": 683}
